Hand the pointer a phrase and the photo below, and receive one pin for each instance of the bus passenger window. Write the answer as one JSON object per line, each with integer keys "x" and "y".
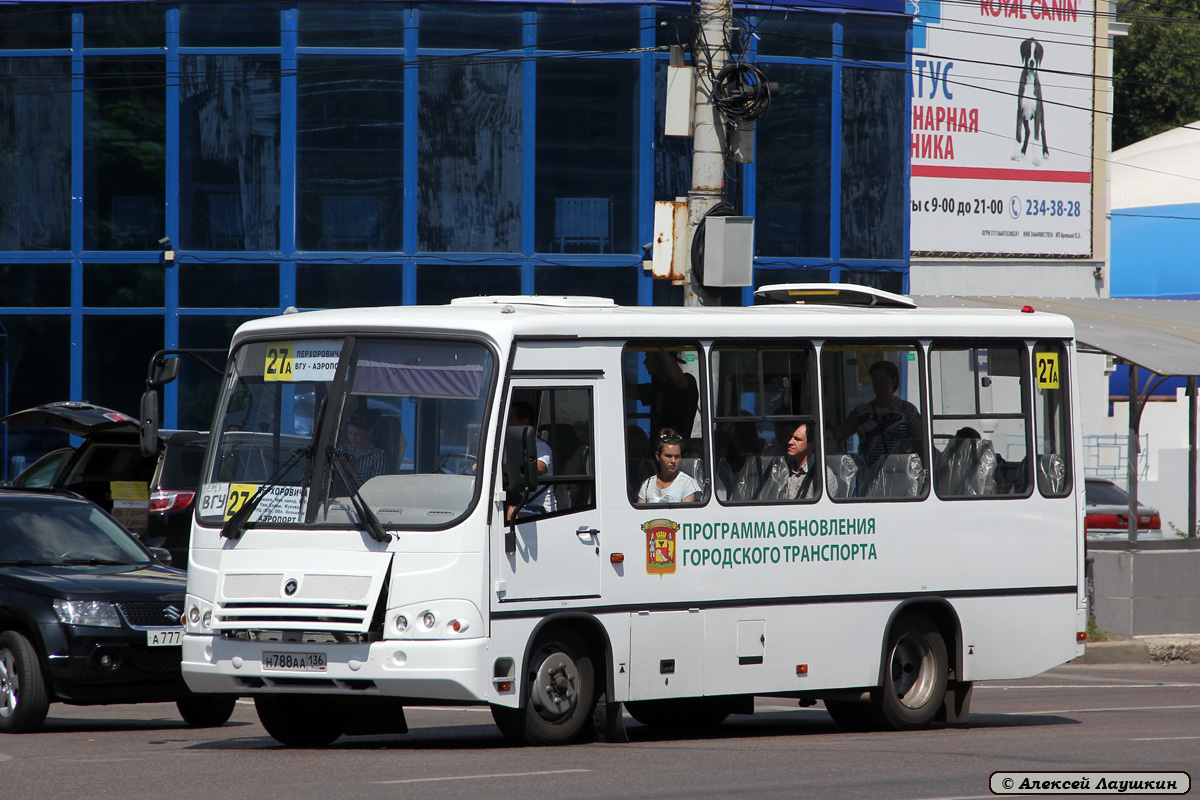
{"x": 562, "y": 419}
{"x": 1052, "y": 432}
{"x": 873, "y": 402}
{"x": 664, "y": 433}
{"x": 764, "y": 432}
{"x": 977, "y": 413}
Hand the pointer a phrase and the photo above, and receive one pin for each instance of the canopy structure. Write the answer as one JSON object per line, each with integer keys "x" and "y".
{"x": 1160, "y": 335}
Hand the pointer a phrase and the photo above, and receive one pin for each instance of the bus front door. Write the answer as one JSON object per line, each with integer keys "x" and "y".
{"x": 553, "y": 549}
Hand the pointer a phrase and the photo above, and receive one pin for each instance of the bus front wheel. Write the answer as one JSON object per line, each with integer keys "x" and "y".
{"x": 303, "y": 720}
{"x": 560, "y": 692}
{"x": 915, "y": 674}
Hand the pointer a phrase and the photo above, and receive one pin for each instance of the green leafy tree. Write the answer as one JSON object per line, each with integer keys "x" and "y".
{"x": 1154, "y": 68}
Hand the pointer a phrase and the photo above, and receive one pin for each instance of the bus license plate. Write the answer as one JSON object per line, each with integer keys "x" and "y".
{"x": 296, "y": 662}
{"x": 164, "y": 637}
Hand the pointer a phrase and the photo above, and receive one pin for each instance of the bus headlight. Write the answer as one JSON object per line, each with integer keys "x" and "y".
{"x": 401, "y": 623}
{"x": 428, "y": 619}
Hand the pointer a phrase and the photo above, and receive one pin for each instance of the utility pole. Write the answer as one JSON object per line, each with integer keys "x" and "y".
{"x": 710, "y": 51}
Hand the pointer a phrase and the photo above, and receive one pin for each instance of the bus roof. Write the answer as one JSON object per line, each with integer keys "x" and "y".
{"x": 503, "y": 318}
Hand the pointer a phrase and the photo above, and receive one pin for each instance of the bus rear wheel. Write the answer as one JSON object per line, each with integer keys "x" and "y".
{"x": 303, "y": 720}
{"x": 915, "y": 675}
{"x": 560, "y": 692}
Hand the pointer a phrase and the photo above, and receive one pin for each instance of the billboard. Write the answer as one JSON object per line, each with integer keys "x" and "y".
{"x": 1002, "y": 127}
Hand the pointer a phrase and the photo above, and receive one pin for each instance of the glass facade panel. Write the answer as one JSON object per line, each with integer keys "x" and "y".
{"x": 37, "y": 26}
{"x": 229, "y": 145}
{"x": 198, "y": 387}
{"x": 873, "y": 163}
{"x": 125, "y": 25}
{"x": 370, "y": 25}
{"x": 469, "y": 161}
{"x": 579, "y": 27}
{"x": 799, "y": 35}
{"x": 36, "y": 284}
{"x": 616, "y": 283}
{"x": 350, "y": 151}
{"x": 125, "y": 143}
{"x": 441, "y": 283}
{"x": 878, "y": 39}
{"x": 228, "y": 285}
{"x": 674, "y": 26}
{"x": 115, "y": 353}
{"x": 229, "y": 24}
{"x": 35, "y": 129}
{"x": 121, "y": 285}
{"x": 793, "y": 155}
{"x": 470, "y": 26}
{"x": 38, "y": 351}
{"x": 586, "y": 156}
{"x": 348, "y": 285}
{"x": 887, "y": 281}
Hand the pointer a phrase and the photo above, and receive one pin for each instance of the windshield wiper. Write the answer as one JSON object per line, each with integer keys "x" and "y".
{"x": 366, "y": 516}
{"x": 95, "y": 561}
{"x": 236, "y": 524}
{"x": 28, "y": 562}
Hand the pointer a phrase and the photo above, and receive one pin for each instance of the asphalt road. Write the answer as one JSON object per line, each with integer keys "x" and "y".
{"x": 1076, "y": 717}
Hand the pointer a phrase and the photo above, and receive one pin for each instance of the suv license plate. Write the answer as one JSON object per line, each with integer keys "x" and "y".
{"x": 164, "y": 637}
{"x": 296, "y": 662}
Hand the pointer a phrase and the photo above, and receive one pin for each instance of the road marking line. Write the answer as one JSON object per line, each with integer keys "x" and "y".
{"x": 1092, "y": 710}
{"x": 4, "y": 758}
{"x": 1165, "y": 739}
{"x": 1099, "y": 686}
{"x": 485, "y": 777}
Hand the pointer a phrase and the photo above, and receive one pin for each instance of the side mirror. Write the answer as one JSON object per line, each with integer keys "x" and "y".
{"x": 149, "y": 423}
{"x": 520, "y": 459}
{"x": 165, "y": 371}
{"x": 162, "y": 554}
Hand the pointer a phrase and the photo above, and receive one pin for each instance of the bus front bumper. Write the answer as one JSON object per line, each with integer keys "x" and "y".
{"x": 454, "y": 670}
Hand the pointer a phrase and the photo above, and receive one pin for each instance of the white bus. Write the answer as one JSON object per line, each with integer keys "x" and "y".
{"x": 556, "y": 506}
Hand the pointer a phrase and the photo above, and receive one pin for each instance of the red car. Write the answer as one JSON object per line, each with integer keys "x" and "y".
{"x": 1107, "y": 513}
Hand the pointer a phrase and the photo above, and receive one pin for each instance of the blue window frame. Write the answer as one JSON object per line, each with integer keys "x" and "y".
{"x": 331, "y": 154}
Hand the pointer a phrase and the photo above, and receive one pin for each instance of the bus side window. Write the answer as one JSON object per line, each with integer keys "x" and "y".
{"x": 873, "y": 405}
{"x": 979, "y": 421}
{"x": 662, "y": 383}
{"x": 765, "y": 437}
{"x": 562, "y": 420}
{"x": 1052, "y": 430}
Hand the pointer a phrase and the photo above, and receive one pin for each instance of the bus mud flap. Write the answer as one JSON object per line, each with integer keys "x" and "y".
{"x": 609, "y": 720}
{"x": 957, "y": 704}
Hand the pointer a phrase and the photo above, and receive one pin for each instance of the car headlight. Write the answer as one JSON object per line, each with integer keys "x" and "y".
{"x": 87, "y": 612}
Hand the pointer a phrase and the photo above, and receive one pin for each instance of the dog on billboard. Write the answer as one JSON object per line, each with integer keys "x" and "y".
{"x": 1031, "y": 119}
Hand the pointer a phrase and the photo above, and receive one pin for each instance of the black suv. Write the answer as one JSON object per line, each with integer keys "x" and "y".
{"x": 88, "y": 616}
{"x": 150, "y": 495}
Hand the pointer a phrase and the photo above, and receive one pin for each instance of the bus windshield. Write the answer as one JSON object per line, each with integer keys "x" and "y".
{"x": 317, "y": 426}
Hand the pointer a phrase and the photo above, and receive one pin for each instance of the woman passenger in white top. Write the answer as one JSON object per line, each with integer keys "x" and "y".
{"x": 669, "y": 485}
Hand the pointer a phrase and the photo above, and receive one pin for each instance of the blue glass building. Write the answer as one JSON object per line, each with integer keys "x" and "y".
{"x": 320, "y": 154}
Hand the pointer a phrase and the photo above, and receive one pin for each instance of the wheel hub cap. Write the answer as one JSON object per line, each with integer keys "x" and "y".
{"x": 8, "y": 684}
{"x": 555, "y": 690}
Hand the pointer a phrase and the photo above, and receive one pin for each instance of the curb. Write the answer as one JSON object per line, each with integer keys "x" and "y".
{"x": 1158, "y": 650}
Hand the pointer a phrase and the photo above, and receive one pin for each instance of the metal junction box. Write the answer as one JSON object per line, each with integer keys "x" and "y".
{"x": 728, "y": 251}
